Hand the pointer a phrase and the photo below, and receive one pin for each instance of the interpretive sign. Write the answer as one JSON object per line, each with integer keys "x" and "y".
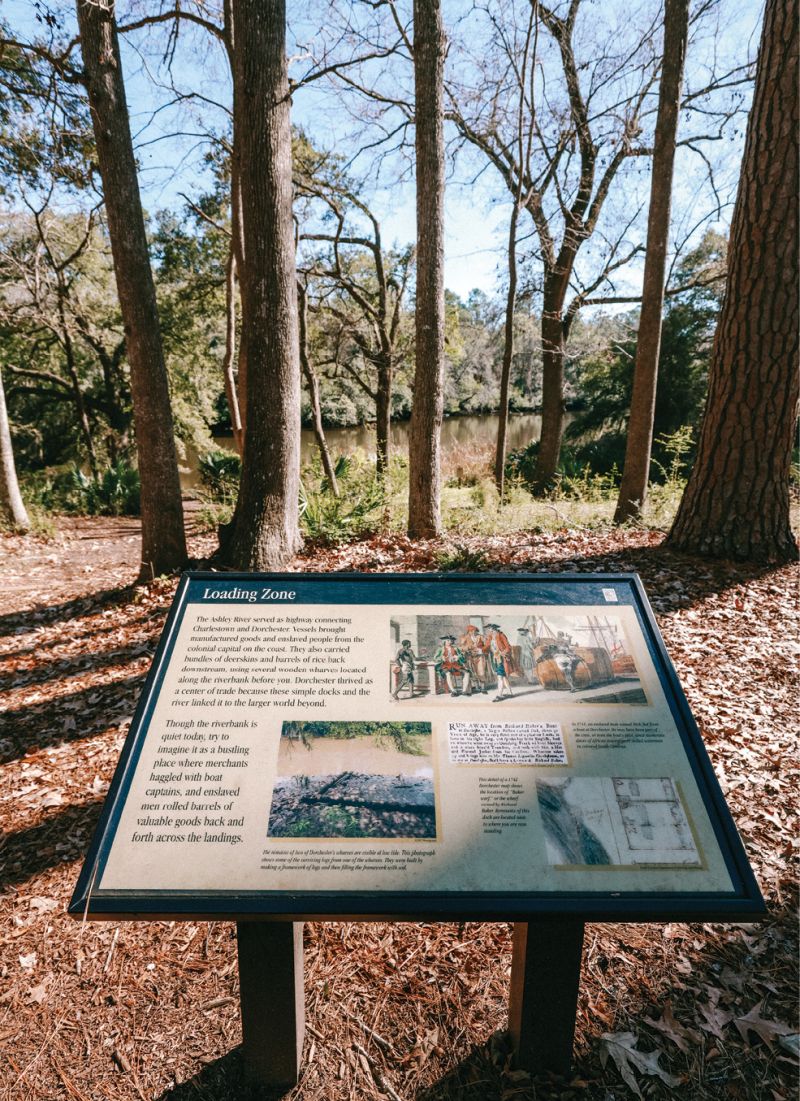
{"x": 486, "y": 746}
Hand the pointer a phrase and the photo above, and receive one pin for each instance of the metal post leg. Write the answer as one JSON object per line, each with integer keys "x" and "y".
{"x": 545, "y": 974}
{"x": 273, "y": 1003}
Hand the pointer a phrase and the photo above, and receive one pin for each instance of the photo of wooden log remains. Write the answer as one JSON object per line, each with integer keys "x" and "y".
{"x": 354, "y": 780}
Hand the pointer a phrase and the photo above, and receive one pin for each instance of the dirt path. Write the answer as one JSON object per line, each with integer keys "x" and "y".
{"x": 149, "y": 1011}
{"x": 86, "y": 555}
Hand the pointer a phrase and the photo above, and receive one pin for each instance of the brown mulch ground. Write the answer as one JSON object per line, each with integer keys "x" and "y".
{"x": 411, "y": 1011}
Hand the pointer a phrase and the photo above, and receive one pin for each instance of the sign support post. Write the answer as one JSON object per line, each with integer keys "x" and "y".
{"x": 272, "y": 1000}
{"x": 545, "y": 975}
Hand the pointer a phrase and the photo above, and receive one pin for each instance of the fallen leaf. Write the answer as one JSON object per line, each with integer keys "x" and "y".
{"x": 42, "y": 904}
{"x": 766, "y": 1030}
{"x": 715, "y": 1018}
{"x": 38, "y": 993}
{"x": 621, "y": 1046}
{"x": 27, "y": 963}
{"x": 731, "y": 979}
{"x": 790, "y": 1044}
{"x": 683, "y": 1038}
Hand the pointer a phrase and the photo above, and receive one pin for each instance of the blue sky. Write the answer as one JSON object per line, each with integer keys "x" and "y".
{"x": 171, "y": 141}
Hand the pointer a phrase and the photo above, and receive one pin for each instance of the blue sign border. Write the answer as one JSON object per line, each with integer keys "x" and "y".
{"x": 743, "y": 903}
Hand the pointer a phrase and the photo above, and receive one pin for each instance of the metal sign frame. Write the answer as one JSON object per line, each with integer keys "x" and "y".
{"x": 744, "y": 902}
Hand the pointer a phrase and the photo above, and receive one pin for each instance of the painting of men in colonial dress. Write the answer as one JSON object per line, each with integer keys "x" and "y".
{"x": 451, "y": 663}
{"x": 502, "y": 660}
{"x": 476, "y": 649}
{"x": 524, "y": 657}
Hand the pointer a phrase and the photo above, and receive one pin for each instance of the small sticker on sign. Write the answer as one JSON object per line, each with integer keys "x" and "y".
{"x": 610, "y": 595}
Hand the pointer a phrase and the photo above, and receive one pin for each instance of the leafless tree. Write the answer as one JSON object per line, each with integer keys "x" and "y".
{"x": 312, "y": 382}
{"x": 588, "y": 106}
{"x": 633, "y": 487}
{"x": 524, "y": 142}
{"x": 361, "y": 288}
{"x": 424, "y": 467}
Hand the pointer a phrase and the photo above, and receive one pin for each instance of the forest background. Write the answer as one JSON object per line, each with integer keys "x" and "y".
{"x": 63, "y": 352}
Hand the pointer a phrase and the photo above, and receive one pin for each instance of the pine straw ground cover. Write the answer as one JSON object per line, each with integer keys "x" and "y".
{"x": 411, "y": 1011}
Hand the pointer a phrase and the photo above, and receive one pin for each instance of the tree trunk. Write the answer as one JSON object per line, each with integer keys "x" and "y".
{"x": 553, "y": 351}
{"x": 239, "y": 257}
{"x": 12, "y": 508}
{"x": 72, "y": 371}
{"x": 163, "y": 540}
{"x": 424, "y": 513}
{"x": 636, "y": 470}
{"x": 736, "y": 503}
{"x": 313, "y": 391}
{"x": 383, "y": 418}
{"x": 508, "y": 356}
{"x": 231, "y": 393}
{"x": 237, "y": 235}
{"x": 265, "y": 530}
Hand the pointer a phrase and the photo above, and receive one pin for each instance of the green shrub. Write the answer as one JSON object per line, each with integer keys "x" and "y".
{"x": 115, "y": 492}
{"x": 356, "y": 510}
{"x": 462, "y": 558}
{"x": 588, "y": 485}
{"x": 675, "y": 449}
{"x": 219, "y": 472}
{"x": 520, "y": 464}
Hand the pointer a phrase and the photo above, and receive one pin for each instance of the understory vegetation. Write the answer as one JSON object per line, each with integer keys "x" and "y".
{"x": 367, "y": 504}
{"x": 404, "y": 737}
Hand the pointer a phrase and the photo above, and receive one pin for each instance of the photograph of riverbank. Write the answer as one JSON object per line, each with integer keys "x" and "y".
{"x": 354, "y": 780}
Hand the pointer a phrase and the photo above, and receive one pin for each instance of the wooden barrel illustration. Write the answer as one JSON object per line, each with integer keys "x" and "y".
{"x": 597, "y": 662}
{"x": 623, "y": 666}
{"x": 549, "y": 674}
{"x": 592, "y": 666}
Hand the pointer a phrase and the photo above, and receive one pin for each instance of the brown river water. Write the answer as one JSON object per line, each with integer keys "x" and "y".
{"x": 457, "y": 432}
{"x": 331, "y": 755}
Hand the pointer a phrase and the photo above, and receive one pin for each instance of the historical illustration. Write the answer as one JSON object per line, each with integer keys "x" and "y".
{"x": 501, "y": 658}
{"x": 591, "y": 820}
{"x": 354, "y": 780}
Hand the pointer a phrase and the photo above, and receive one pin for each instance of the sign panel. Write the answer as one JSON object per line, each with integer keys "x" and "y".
{"x": 486, "y": 746}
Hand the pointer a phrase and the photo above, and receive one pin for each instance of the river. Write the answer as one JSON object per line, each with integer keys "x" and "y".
{"x": 365, "y": 754}
{"x": 457, "y": 432}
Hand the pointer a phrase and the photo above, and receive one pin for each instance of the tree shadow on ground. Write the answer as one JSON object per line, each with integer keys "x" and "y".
{"x": 48, "y": 614}
{"x": 60, "y": 838}
{"x": 37, "y": 725}
{"x": 80, "y": 664}
{"x": 478, "y": 1077}
{"x": 680, "y": 579}
{"x": 91, "y": 633}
